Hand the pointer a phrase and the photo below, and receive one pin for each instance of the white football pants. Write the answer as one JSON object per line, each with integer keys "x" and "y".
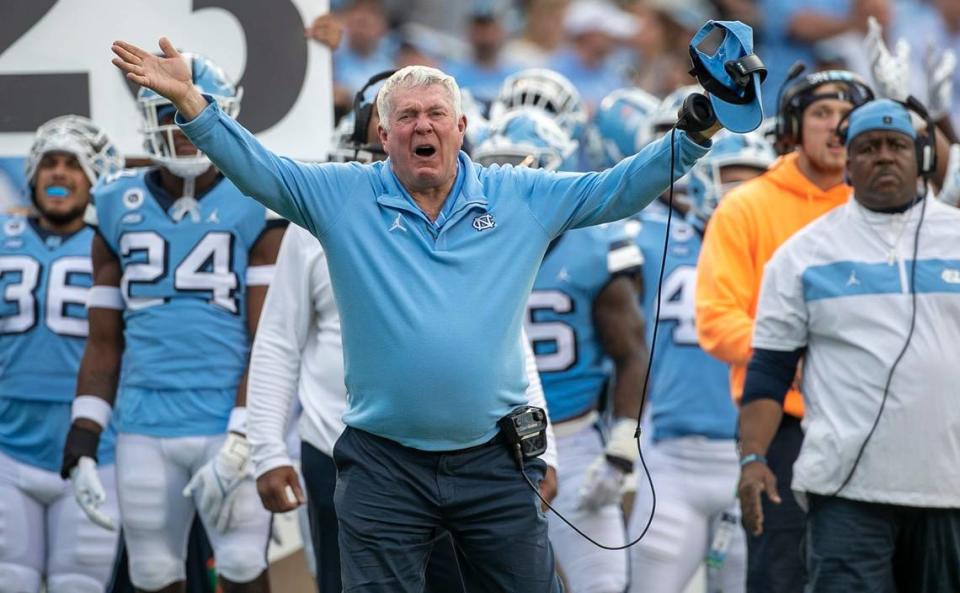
{"x": 44, "y": 534}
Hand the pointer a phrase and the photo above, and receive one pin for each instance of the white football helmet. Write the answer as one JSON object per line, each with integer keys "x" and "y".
{"x": 546, "y": 90}
{"x": 80, "y": 137}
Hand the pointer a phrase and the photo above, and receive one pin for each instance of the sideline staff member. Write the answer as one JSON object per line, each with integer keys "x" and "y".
{"x": 872, "y": 304}
{"x": 432, "y": 259}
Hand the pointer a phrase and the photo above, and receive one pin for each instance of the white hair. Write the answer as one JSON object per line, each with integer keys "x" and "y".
{"x": 412, "y": 77}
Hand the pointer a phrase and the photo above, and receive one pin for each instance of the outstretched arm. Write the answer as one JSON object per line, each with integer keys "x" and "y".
{"x": 169, "y": 75}
{"x": 310, "y": 195}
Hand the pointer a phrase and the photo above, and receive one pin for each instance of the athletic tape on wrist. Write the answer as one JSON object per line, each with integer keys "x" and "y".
{"x": 92, "y": 408}
{"x": 238, "y": 420}
{"x": 260, "y": 275}
{"x": 622, "y": 443}
{"x": 105, "y": 297}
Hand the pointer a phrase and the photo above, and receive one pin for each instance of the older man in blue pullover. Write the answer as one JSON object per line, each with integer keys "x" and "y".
{"x": 432, "y": 258}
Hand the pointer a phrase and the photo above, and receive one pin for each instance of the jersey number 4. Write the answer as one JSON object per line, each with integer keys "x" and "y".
{"x": 677, "y": 304}
{"x": 20, "y": 294}
{"x": 208, "y": 268}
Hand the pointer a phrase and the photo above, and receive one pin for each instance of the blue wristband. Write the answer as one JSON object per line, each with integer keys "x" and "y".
{"x": 751, "y": 458}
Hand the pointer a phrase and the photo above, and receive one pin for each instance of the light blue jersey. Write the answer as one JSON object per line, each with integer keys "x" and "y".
{"x": 570, "y": 358}
{"x": 689, "y": 389}
{"x": 44, "y": 279}
{"x": 431, "y": 314}
{"x": 186, "y": 340}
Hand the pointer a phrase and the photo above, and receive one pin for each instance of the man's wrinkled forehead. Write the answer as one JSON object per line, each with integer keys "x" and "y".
{"x": 423, "y": 98}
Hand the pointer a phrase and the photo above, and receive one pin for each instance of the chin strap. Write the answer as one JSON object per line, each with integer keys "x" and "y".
{"x": 187, "y": 203}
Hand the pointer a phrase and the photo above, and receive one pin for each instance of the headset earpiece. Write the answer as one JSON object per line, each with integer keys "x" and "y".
{"x": 927, "y": 143}
{"x": 363, "y": 112}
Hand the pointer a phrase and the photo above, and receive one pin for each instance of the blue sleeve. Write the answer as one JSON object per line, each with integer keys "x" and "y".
{"x": 560, "y": 201}
{"x": 770, "y": 374}
{"x": 308, "y": 194}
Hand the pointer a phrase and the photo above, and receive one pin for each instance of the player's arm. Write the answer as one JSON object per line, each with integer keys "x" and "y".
{"x": 96, "y": 381}
{"x": 726, "y": 275}
{"x": 620, "y": 329}
{"x": 620, "y": 326}
{"x": 779, "y": 342}
{"x": 260, "y": 270}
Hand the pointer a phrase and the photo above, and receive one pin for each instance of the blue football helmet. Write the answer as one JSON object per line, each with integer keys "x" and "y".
{"x": 706, "y": 186}
{"x": 79, "y": 136}
{"x": 210, "y": 80}
{"x": 527, "y": 138}
{"x": 620, "y": 126}
{"x": 546, "y": 90}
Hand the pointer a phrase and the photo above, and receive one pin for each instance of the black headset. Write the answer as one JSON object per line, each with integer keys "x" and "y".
{"x": 925, "y": 144}
{"x": 793, "y": 99}
{"x": 363, "y": 111}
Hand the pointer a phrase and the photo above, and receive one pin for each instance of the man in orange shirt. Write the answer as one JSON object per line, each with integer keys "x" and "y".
{"x": 751, "y": 222}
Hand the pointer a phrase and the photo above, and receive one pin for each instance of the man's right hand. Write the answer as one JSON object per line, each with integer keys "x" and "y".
{"x": 755, "y": 479}
{"x": 275, "y": 486}
{"x": 168, "y": 75}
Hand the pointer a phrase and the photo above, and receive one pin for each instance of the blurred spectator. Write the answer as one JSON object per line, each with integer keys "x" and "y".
{"x": 326, "y": 29}
{"x": 484, "y": 72}
{"x": 847, "y": 51}
{"x": 791, "y": 27}
{"x": 542, "y": 33}
{"x": 594, "y": 29}
{"x": 661, "y": 56}
{"x": 367, "y": 50}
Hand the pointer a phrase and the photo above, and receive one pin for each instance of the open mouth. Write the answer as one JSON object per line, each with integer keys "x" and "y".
{"x": 425, "y": 150}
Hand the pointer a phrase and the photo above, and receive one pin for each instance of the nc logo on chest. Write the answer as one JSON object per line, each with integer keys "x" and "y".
{"x": 484, "y": 222}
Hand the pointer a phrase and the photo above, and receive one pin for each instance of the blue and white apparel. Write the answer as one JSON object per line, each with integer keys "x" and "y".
{"x": 500, "y": 222}
{"x": 184, "y": 283}
{"x": 693, "y": 426}
{"x": 575, "y": 371}
{"x": 183, "y": 286}
{"x": 841, "y": 288}
{"x": 43, "y": 326}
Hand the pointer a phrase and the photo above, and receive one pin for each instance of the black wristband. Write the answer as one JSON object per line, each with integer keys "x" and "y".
{"x": 81, "y": 442}
{"x": 624, "y": 465}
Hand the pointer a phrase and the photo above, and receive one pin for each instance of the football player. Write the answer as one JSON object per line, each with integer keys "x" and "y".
{"x": 693, "y": 455}
{"x": 176, "y": 249}
{"x": 581, "y": 314}
{"x": 553, "y": 94}
{"x": 45, "y": 276}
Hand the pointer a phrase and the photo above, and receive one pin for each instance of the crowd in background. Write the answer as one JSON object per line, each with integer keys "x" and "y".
{"x": 602, "y": 46}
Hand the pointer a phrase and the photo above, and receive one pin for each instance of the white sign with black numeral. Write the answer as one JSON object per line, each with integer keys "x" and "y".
{"x": 55, "y": 59}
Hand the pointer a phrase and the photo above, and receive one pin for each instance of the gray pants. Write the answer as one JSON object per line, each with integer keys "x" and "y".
{"x": 393, "y": 502}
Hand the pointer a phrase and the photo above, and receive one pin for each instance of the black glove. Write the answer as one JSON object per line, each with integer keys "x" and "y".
{"x": 695, "y": 116}
{"x": 81, "y": 442}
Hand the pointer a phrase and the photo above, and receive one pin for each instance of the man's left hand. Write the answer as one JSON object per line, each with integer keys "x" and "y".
{"x": 215, "y": 484}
